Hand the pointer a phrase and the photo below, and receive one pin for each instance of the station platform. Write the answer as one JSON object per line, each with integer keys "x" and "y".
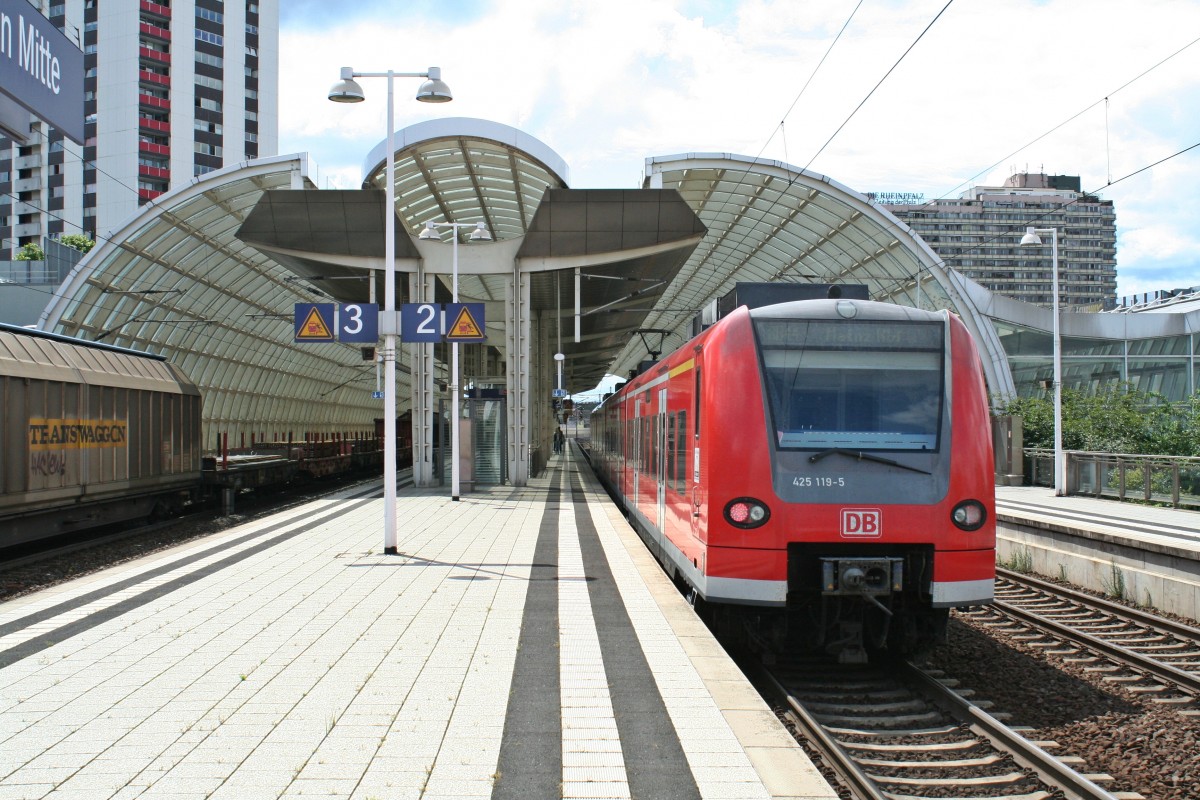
{"x": 523, "y": 644}
{"x": 1146, "y": 554}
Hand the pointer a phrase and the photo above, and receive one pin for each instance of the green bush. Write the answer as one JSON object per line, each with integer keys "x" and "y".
{"x": 1122, "y": 420}
{"x": 31, "y": 252}
{"x": 77, "y": 241}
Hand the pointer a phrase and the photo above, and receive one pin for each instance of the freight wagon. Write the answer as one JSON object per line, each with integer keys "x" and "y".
{"x": 90, "y": 434}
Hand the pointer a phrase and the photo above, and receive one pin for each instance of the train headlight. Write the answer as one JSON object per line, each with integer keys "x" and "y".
{"x": 969, "y": 515}
{"x": 746, "y": 512}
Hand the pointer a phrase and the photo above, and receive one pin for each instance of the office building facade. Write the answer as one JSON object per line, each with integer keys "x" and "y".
{"x": 172, "y": 90}
{"x": 979, "y": 234}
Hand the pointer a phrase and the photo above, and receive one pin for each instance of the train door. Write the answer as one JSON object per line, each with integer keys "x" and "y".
{"x": 660, "y": 460}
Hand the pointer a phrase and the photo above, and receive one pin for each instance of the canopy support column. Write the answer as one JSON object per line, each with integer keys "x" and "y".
{"x": 516, "y": 339}
{"x": 420, "y": 290}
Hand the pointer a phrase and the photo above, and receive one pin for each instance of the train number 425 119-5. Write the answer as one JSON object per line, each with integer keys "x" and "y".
{"x": 809, "y": 481}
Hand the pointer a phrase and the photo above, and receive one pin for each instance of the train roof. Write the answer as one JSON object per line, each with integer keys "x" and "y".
{"x": 26, "y": 353}
{"x": 861, "y": 309}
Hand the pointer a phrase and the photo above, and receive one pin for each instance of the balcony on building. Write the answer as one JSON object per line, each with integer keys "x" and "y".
{"x": 159, "y": 173}
{"x": 154, "y": 149}
{"x": 154, "y": 32}
{"x": 154, "y": 78}
{"x": 150, "y": 101}
{"x": 157, "y": 56}
{"x": 156, "y": 10}
{"x": 155, "y": 125}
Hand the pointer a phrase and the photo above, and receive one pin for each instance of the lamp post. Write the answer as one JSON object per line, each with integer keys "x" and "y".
{"x": 347, "y": 90}
{"x": 1031, "y": 237}
{"x": 480, "y": 234}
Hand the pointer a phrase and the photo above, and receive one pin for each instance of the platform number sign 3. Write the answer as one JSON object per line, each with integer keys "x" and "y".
{"x": 327, "y": 322}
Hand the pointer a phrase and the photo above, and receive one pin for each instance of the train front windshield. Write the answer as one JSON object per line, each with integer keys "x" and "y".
{"x": 854, "y": 384}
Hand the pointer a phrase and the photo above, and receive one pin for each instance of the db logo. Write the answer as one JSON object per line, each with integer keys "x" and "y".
{"x": 862, "y": 522}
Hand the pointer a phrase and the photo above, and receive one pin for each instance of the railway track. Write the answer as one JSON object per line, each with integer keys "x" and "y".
{"x": 1155, "y": 657}
{"x": 904, "y": 733}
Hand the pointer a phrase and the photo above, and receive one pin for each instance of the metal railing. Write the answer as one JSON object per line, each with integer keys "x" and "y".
{"x": 1169, "y": 480}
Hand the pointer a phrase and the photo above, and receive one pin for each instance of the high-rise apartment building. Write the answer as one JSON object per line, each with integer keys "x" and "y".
{"x": 172, "y": 89}
{"x": 979, "y": 234}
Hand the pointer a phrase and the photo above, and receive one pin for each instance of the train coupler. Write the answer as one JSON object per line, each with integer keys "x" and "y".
{"x": 849, "y": 647}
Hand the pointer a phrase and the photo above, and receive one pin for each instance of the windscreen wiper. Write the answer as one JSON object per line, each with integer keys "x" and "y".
{"x": 861, "y": 456}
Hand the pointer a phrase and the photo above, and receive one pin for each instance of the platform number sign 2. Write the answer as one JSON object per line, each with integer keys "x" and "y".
{"x": 421, "y": 322}
{"x": 327, "y": 322}
{"x": 434, "y": 322}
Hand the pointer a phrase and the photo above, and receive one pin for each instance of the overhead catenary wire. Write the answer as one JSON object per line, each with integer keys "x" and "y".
{"x": 942, "y": 260}
{"x": 742, "y": 177}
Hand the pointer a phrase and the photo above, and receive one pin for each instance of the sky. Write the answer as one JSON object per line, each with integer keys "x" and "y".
{"x": 1102, "y": 89}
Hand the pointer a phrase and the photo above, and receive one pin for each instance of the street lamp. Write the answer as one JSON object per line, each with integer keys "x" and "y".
{"x": 1031, "y": 237}
{"x": 480, "y": 234}
{"x": 347, "y": 90}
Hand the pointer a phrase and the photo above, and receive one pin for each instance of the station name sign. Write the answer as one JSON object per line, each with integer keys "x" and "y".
{"x": 40, "y": 68}
{"x": 897, "y": 198}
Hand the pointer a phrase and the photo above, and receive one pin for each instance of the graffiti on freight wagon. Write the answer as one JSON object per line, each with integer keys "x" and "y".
{"x": 48, "y": 464}
{"x": 57, "y": 434}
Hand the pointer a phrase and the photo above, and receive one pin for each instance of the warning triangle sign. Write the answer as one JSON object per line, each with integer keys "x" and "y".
{"x": 465, "y": 326}
{"x": 314, "y": 328}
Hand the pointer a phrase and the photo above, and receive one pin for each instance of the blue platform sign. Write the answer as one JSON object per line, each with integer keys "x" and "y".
{"x": 421, "y": 322}
{"x": 326, "y": 322}
{"x": 358, "y": 322}
{"x": 40, "y": 68}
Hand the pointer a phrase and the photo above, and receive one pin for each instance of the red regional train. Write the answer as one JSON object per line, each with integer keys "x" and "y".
{"x": 817, "y": 471}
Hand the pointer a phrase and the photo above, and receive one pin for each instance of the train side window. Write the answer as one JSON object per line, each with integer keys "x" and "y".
{"x": 643, "y": 451}
{"x": 652, "y": 446}
{"x": 655, "y": 446}
{"x": 681, "y": 454}
{"x": 636, "y": 437}
{"x": 671, "y": 445}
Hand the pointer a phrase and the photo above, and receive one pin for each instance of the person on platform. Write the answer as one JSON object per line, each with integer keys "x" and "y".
{"x": 559, "y": 440}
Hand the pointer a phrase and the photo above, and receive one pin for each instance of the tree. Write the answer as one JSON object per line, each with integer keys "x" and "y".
{"x": 31, "y": 252}
{"x": 77, "y": 241}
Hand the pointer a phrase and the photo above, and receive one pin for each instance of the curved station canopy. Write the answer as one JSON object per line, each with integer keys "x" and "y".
{"x": 208, "y": 275}
{"x": 769, "y": 222}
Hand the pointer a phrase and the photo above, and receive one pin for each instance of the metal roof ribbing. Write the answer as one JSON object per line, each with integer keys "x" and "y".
{"x": 174, "y": 280}
{"x": 769, "y": 221}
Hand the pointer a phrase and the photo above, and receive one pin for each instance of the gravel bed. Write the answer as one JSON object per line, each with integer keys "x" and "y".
{"x": 1147, "y": 747}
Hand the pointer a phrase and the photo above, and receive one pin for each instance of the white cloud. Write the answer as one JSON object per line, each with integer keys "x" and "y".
{"x": 607, "y": 84}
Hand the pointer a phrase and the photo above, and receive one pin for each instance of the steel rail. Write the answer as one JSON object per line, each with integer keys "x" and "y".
{"x": 841, "y": 762}
{"x": 1172, "y": 676}
{"x": 1025, "y": 752}
{"x": 1137, "y": 615}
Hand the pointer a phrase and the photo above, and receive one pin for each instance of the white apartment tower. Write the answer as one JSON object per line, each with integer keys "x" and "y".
{"x": 979, "y": 235}
{"x": 172, "y": 89}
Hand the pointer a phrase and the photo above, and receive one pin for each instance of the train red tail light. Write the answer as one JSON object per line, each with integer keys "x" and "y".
{"x": 746, "y": 512}
{"x": 969, "y": 515}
